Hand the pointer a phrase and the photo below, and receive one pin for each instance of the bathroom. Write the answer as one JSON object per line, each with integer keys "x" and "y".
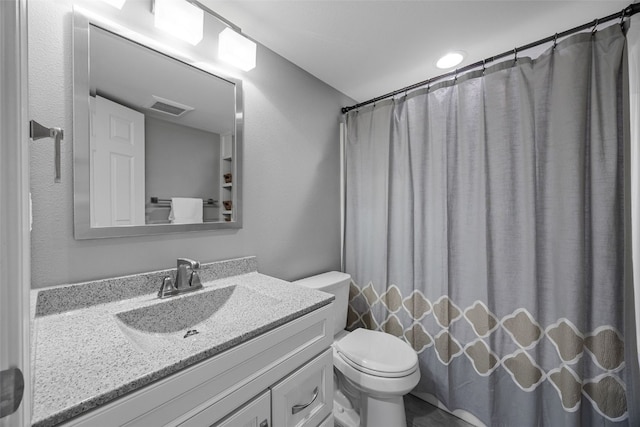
{"x": 291, "y": 206}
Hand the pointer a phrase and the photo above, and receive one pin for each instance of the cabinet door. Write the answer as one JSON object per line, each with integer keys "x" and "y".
{"x": 304, "y": 398}
{"x": 256, "y": 413}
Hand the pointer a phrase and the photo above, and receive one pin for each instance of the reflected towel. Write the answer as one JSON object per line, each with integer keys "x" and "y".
{"x": 185, "y": 210}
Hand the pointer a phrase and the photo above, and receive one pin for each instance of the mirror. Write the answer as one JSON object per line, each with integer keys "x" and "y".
{"x": 150, "y": 128}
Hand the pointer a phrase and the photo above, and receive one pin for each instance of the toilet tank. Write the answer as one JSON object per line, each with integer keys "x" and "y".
{"x": 336, "y": 283}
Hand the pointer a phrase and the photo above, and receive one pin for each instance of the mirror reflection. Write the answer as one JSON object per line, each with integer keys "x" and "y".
{"x": 161, "y": 141}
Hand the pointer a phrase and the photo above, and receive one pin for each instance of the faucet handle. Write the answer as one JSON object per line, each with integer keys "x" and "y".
{"x": 194, "y": 280}
{"x": 167, "y": 289}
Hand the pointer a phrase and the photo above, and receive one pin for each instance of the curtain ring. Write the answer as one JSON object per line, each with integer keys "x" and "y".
{"x": 622, "y": 15}
{"x": 484, "y": 66}
{"x": 555, "y": 41}
{"x": 595, "y": 26}
{"x": 515, "y": 54}
{"x": 455, "y": 76}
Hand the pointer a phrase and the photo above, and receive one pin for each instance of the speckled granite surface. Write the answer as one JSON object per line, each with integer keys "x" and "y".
{"x": 59, "y": 299}
{"x": 92, "y": 347}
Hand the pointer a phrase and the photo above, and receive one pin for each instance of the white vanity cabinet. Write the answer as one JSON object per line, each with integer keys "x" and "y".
{"x": 256, "y": 383}
{"x": 302, "y": 399}
{"x": 256, "y": 413}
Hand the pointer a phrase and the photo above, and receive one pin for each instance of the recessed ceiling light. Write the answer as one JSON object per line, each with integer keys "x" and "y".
{"x": 450, "y": 60}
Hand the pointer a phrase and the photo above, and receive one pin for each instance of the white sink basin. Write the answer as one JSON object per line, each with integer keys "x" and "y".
{"x": 192, "y": 318}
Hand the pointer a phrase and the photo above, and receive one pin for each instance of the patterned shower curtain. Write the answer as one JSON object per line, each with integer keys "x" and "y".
{"x": 485, "y": 227}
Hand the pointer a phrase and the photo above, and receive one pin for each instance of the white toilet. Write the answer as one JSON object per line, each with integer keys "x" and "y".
{"x": 372, "y": 370}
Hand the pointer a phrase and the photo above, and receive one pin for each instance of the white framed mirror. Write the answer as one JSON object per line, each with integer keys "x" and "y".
{"x": 157, "y": 140}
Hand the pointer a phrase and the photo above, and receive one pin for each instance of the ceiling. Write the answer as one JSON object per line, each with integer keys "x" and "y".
{"x": 366, "y": 48}
{"x": 148, "y": 76}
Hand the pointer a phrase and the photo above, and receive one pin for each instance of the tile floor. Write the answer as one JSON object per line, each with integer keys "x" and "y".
{"x": 421, "y": 414}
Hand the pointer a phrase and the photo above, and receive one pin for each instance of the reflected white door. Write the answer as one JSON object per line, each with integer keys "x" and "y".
{"x": 14, "y": 217}
{"x": 117, "y": 165}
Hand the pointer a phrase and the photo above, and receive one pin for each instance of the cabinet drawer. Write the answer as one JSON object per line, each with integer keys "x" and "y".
{"x": 304, "y": 398}
{"x": 256, "y": 413}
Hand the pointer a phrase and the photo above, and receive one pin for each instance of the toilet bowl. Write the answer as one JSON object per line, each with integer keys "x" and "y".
{"x": 373, "y": 370}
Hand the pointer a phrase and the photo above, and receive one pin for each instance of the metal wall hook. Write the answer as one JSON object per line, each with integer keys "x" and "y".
{"x": 37, "y": 131}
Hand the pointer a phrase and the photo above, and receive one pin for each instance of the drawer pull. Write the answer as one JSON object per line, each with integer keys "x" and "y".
{"x": 297, "y": 408}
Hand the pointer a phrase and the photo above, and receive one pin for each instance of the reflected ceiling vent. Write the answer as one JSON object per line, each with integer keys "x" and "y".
{"x": 167, "y": 106}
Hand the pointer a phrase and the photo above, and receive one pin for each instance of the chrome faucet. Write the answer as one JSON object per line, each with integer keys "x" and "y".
{"x": 184, "y": 279}
{"x": 187, "y": 279}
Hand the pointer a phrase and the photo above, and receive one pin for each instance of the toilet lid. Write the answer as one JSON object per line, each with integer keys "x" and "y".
{"x": 377, "y": 353}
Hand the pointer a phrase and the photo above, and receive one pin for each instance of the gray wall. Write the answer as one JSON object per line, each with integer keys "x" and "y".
{"x": 180, "y": 161}
{"x": 291, "y": 173}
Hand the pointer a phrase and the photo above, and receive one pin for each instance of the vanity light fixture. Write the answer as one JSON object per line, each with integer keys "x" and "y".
{"x": 236, "y": 49}
{"x": 180, "y": 18}
{"x": 116, "y": 3}
{"x": 450, "y": 60}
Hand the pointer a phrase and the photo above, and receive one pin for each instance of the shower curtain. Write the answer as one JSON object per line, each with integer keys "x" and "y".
{"x": 485, "y": 226}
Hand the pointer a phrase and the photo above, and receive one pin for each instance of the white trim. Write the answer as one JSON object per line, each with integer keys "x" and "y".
{"x": 342, "y": 193}
{"x": 459, "y": 413}
{"x": 14, "y": 201}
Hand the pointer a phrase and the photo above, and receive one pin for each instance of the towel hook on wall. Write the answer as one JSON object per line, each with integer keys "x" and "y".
{"x": 37, "y": 131}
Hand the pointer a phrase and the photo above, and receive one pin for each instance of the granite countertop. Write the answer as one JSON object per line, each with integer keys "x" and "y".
{"x": 83, "y": 355}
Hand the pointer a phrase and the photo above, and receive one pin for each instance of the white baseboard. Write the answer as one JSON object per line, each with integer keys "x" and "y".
{"x": 460, "y": 413}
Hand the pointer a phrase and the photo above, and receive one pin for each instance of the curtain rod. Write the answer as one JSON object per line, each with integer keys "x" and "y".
{"x": 630, "y": 10}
